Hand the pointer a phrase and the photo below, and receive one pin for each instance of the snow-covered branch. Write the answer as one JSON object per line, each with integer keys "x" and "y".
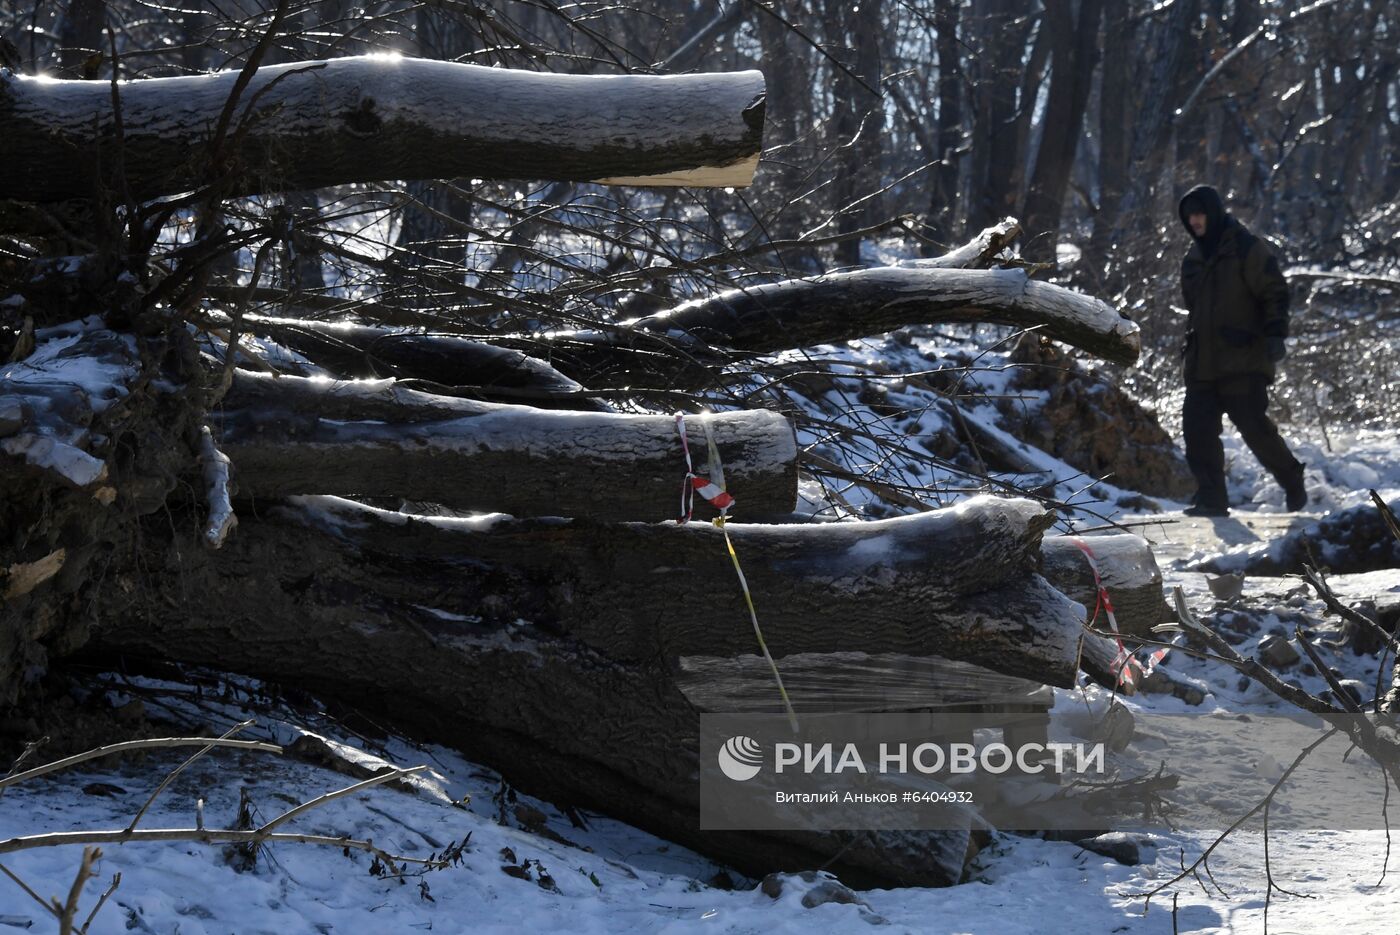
{"x": 374, "y": 117}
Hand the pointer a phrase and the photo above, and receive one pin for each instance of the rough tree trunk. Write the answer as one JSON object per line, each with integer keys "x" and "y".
{"x": 549, "y": 648}
{"x": 682, "y": 347}
{"x": 365, "y": 119}
{"x": 292, "y": 435}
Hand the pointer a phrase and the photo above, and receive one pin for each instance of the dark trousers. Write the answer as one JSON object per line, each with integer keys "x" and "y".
{"x": 1245, "y": 400}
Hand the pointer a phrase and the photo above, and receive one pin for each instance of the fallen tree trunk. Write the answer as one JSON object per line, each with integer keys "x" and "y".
{"x": 547, "y": 648}
{"x": 844, "y": 306}
{"x": 313, "y": 124}
{"x": 682, "y": 348}
{"x": 1129, "y": 573}
{"x": 294, "y": 435}
{"x": 959, "y": 582}
{"x": 450, "y": 361}
{"x": 685, "y": 347}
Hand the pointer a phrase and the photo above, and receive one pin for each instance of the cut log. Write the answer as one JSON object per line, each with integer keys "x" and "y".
{"x": 1129, "y": 573}
{"x": 959, "y": 582}
{"x": 295, "y": 435}
{"x": 547, "y": 648}
{"x": 376, "y": 117}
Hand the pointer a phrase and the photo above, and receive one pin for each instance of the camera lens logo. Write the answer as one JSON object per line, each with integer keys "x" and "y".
{"x": 740, "y": 758}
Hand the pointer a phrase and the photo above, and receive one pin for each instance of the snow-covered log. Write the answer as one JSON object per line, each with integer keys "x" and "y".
{"x": 48, "y": 402}
{"x": 844, "y": 306}
{"x": 682, "y": 347}
{"x": 313, "y": 124}
{"x": 959, "y": 582}
{"x": 549, "y": 648}
{"x": 494, "y": 373}
{"x": 1129, "y": 573}
{"x": 295, "y": 435}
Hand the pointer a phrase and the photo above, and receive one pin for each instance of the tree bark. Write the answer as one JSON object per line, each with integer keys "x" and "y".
{"x": 370, "y": 623}
{"x": 365, "y": 119}
{"x": 291, "y": 435}
{"x": 1152, "y": 124}
{"x": 960, "y": 582}
{"x": 457, "y": 363}
{"x": 1113, "y": 130}
{"x": 844, "y": 306}
{"x": 857, "y": 121}
{"x": 547, "y": 648}
{"x": 1129, "y": 573}
{"x": 1004, "y": 31}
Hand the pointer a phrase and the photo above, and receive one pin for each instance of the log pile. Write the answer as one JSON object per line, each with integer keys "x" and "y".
{"x": 547, "y": 639}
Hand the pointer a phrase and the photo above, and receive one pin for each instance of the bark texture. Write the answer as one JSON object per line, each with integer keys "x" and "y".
{"x": 960, "y": 582}
{"x": 681, "y": 347}
{"x": 295, "y": 435}
{"x": 364, "y": 119}
{"x": 571, "y": 692}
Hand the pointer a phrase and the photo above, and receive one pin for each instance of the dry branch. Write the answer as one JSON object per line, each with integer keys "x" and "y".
{"x": 130, "y": 745}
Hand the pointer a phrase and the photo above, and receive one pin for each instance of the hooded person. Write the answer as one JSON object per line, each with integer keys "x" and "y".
{"x": 1237, "y": 298}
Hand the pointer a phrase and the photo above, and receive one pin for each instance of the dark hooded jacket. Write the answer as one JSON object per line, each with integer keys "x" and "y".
{"x": 1235, "y": 292}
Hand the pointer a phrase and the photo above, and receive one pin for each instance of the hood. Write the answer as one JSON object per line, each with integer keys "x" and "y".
{"x": 1209, "y": 200}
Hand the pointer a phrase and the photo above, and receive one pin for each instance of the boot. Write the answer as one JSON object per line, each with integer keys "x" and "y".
{"x": 1294, "y": 493}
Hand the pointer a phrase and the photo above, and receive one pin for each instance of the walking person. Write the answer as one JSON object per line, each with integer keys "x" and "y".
{"x": 1238, "y": 302}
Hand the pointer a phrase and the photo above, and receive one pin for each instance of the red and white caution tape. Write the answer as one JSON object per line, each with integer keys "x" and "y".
{"x": 1125, "y": 665}
{"x": 712, "y": 487}
{"x": 1157, "y": 656}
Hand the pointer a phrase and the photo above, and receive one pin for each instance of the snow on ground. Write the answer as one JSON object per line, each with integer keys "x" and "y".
{"x": 607, "y": 877}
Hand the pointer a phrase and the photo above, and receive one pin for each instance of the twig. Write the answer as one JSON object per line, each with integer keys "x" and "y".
{"x": 69, "y": 908}
{"x": 206, "y": 836}
{"x": 125, "y": 746}
{"x": 1387, "y": 515}
{"x": 101, "y": 901}
{"x": 29, "y": 748}
{"x": 1314, "y": 578}
{"x": 1385, "y": 817}
{"x": 1202, "y": 861}
{"x": 1341, "y": 694}
{"x": 1268, "y": 29}
{"x": 245, "y": 76}
{"x": 348, "y": 790}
